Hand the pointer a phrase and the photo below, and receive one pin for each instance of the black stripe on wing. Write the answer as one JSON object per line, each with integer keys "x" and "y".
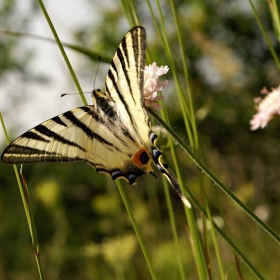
{"x": 34, "y": 136}
{"x": 123, "y": 48}
{"x": 58, "y": 120}
{"x": 139, "y": 50}
{"x": 91, "y": 134}
{"x": 113, "y": 127}
{"x": 115, "y": 85}
{"x": 93, "y": 114}
{"x": 124, "y": 60}
{"x": 49, "y": 133}
{"x": 22, "y": 154}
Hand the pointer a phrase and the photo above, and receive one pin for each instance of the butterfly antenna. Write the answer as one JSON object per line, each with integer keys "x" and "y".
{"x": 99, "y": 59}
{"x": 73, "y": 93}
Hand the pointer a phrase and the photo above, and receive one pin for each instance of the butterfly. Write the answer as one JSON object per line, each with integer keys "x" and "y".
{"x": 113, "y": 135}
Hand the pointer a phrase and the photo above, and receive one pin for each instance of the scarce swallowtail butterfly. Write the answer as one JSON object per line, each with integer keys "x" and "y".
{"x": 113, "y": 135}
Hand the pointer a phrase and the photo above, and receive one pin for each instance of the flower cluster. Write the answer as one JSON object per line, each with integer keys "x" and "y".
{"x": 152, "y": 85}
{"x": 267, "y": 108}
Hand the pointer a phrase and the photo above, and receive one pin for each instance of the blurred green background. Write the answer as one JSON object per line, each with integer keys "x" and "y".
{"x": 83, "y": 228}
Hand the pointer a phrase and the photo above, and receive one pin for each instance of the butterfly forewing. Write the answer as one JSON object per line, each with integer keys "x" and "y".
{"x": 75, "y": 135}
{"x": 124, "y": 82}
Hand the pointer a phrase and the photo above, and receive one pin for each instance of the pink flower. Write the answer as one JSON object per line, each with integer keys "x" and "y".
{"x": 152, "y": 85}
{"x": 267, "y": 108}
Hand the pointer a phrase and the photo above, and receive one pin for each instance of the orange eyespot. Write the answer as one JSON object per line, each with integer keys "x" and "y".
{"x": 141, "y": 157}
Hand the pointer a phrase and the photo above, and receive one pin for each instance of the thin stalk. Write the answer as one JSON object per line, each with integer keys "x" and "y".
{"x": 74, "y": 77}
{"x": 187, "y": 78}
{"x": 167, "y": 50}
{"x": 275, "y": 16}
{"x": 136, "y": 229}
{"x": 189, "y": 105}
{"x": 265, "y": 34}
{"x": 27, "y": 208}
{"x": 127, "y": 11}
{"x": 174, "y": 230}
{"x": 231, "y": 244}
{"x": 213, "y": 235}
{"x": 198, "y": 250}
{"x": 215, "y": 180}
{"x": 226, "y": 238}
{"x": 95, "y": 56}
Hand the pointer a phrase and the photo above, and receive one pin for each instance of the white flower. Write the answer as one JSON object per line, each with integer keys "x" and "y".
{"x": 152, "y": 85}
{"x": 267, "y": 108}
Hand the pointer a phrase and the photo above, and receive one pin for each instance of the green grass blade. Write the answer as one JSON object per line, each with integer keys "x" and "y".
{"x": 215, "y": 180}
{"x": 74, "y": 77}
{"x": 174, "y": 230}
{"x": 275, "y": 17}
{"x": 136, "y": 229}
{"x": 197, "y": 244}
{"x": 94, "y": 56}
{"x": 231, "y": 244}
{"x": 198, "y": 251}
{"x": 274, "y": 55}
{"x": 27, "y": 208}
{"x": 184, "y": 103}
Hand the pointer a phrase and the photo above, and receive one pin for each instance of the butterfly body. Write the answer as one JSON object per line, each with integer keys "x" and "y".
{"x": 113, "y": 135}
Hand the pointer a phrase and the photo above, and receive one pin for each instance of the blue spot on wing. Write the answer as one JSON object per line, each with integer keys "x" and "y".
{"x": 116, "y": 174}
{"x": 131, "y": 178}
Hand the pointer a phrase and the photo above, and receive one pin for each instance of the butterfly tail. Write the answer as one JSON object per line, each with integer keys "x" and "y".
{"x": 156, "y": 157}
{"x": 174, "y": 184}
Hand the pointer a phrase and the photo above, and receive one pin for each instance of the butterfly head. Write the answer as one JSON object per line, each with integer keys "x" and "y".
{"x": 97, "y": 95}
{"x": 104, "y": 104}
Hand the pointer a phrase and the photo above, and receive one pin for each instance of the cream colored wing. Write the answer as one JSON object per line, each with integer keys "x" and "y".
{"x": 79, "y": 134}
